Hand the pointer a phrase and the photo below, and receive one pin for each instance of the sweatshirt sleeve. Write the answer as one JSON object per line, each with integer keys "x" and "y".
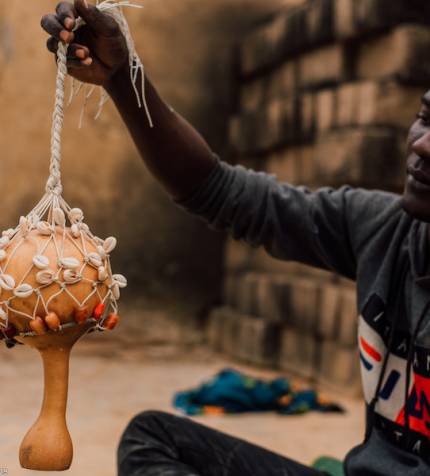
{"x": 324, "y": 229}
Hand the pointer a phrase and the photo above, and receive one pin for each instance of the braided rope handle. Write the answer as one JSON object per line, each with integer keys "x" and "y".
{"x": 54, "y": 181}
{"x": 113, "y": 8}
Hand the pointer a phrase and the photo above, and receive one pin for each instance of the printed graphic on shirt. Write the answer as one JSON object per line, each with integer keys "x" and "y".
{"x": 374, "y": 331}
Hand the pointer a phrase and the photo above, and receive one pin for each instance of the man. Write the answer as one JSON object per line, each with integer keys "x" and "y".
{"x": 377, "y": 238}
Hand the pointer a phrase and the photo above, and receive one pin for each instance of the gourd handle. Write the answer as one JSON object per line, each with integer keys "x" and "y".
{"x": 47, "y": 446}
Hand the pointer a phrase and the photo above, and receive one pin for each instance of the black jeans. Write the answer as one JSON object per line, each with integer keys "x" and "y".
{"x": 159, "y": 444}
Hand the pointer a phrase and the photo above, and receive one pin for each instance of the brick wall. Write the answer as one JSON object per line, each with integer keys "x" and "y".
{"x": 325, "y": 90}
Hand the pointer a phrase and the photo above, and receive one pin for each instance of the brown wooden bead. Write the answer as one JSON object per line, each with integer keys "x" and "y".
{"x": 82, "y": 314}
{"x": 111, "y": 321}
{"x": 53, "y": 321}
{"x": 38, "y": 326}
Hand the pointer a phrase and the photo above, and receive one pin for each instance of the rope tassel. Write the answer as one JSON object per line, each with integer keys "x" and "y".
{"x": 114, "y": 9}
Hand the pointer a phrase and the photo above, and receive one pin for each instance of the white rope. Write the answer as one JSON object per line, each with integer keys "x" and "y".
{"x": 54, "y": 181}
{"x": 114, "y": 9}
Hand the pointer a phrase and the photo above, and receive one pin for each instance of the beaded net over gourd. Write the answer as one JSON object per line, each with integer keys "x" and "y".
{"x": 51, "y": 262}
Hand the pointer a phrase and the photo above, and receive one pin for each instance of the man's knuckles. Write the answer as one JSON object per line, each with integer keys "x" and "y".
{"x": 101, "y": 23}
{"x": 52, "y": 44}
{"x": 66, "y": 11}
{"x": 52, "y": 25}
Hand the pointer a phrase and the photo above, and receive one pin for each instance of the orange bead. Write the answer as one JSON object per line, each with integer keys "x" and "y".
{"x": 98, "y": 311}
{"x": 111, "y": 321}
{"x": 38, "y": 326}
{"x": 53, "y": 321}
{"x": 82, "y": 314}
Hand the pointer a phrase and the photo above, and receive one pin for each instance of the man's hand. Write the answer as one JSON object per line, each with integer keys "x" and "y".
{"x": 97, "y": 50}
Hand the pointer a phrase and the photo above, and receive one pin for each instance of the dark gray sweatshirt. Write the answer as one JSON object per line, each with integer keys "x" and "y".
{"x": 365, "y": 236}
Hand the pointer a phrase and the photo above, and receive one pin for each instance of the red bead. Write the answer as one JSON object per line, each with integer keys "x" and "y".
{"x": 111, "y": 321}
{"x": 10, "y": 332}
{"x": 98, "y": 311}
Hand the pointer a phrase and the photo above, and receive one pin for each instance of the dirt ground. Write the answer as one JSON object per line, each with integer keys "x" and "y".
{"x": 110, "y": 384}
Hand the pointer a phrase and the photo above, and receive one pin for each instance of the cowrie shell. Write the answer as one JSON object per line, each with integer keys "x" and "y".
{"x": 59, "y": 217}
{"x": 7, "y": 282}
{"x": 116, "y": 292}
{"x": 69, "y": 263}
{"x": 45, "y": 277}
{"x": 120, "y": 280}
{"x": 95, "y": 260}
{"x": 40, "y": 261}
{"x": 76, "y": 214}
{"x": 23, "y": 291}
{"x": 3, "y": 255}
{"x": 110, "y": 244}
{"x": 9, "y": 233}
{"x": 3, "y": 314}
{"x": 24, "y": 225}
{"x": 34, "y": 219}
{"x": 44, "y": 228}
{"x": 101, "y": 251}
{"x": 70, "y": 276}
{"x": 102, "y": 273}
{"x": 76, "y": 233}
{"x": 4, "y": 241}
{"x": 84, "y": 227}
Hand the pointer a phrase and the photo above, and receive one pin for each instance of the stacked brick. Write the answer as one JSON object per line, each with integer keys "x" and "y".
{"x": 327, "y": 91}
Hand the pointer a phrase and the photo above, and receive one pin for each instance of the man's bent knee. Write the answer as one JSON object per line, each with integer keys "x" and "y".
{"x": 146, "y": 435}
{"x": 150, "y": 417}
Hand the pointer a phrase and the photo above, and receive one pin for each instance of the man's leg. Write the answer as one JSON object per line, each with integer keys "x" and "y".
{"x": 160, "y": 444}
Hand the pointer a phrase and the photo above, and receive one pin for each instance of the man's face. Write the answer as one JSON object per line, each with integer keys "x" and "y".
{"x": 416, "y": 196}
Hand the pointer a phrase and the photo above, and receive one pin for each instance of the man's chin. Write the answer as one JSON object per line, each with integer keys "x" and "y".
{"x": 416, "y": 207}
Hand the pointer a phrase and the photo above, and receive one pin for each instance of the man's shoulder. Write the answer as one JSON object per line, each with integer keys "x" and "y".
{"x": 372, "y": 200}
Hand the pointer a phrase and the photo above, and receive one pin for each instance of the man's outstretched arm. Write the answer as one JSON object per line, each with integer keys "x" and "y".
{"x": 173, "y": 150}
{"x": 327, "y": 228}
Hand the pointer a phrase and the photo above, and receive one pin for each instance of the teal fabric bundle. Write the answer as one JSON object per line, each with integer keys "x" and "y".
{"x": 233, "y": 392}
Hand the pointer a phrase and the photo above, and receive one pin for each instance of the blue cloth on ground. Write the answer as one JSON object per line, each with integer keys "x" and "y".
{"x": 233, "y": 392}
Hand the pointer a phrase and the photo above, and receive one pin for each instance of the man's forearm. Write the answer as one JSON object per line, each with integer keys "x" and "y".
{"x": 173, "y": 150}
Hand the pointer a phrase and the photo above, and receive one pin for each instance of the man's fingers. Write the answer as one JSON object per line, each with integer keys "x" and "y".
{"x": 78, "y": 51}
{"x": 66, "y": 14}
{"x": 74, "y": 63}
{"x": 76, "y": 54}
{"x": 52, "y": 44}
{"x": 100, "y": 23}
{"x": 51, "y": 24}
